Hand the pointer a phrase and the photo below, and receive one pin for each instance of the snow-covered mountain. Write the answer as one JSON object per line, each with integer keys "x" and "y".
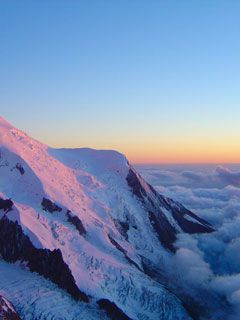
{"x": 87, "y": 222}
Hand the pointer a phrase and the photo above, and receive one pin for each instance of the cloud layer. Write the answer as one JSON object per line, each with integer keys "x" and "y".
{"x": 206, "y": 266}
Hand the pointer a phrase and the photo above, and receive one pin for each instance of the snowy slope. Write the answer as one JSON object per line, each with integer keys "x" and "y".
{"x": 90, "y": 211}
{"x": 37, "y": 299}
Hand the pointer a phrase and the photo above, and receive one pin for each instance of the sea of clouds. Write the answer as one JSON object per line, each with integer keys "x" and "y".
{"x": 207, "y": 266}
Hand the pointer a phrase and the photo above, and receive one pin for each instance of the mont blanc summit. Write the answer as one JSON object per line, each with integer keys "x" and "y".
{"x": 82, "y": 235}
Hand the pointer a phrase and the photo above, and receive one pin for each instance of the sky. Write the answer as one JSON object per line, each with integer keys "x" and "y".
{"x": 156, "y": 80}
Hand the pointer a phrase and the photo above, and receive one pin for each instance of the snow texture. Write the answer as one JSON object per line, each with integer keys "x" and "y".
{"x": 80, "y": 202}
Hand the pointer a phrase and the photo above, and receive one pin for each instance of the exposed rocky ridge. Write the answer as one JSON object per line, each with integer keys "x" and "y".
{"x": 177, "y": 219}
{"x": 16, "y": 246}
{"x": 20, "y": 168}
{"x": 7, "y": 311}
{"x": 121, "y": 249}
{"x": 6, "y": 204}
{"x": 112, "y": 310}
{"x": 50, "y": 206}
{"x": 76, "y": 222}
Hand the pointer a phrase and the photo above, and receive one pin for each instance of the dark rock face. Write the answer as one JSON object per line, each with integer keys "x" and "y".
{"x": 112, "y": 310}
{"x": 20, "y": 168}
{"x": 7, "y": 311}
{"x": 181, "y": 215}
{"x": 122, "y": 227}
{"x": 6, "y": 205}
{"x": 135, "y": 184}
{"x": 155, "y": 204}
{"x": 166, "y": 233}
{"x": 77, "y": 223}
{"x": 16, "y": 246}
{"x": 50, "y": 206}
{"x": 121, "y": 249}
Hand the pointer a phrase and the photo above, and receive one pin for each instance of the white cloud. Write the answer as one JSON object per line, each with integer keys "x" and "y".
{"x": 212, "y": 260}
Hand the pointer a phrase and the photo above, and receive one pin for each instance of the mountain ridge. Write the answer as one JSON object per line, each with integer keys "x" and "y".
{"x": 123, "y": 218}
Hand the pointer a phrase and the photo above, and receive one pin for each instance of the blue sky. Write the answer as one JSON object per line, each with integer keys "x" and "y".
{"x": 152, "y": 79}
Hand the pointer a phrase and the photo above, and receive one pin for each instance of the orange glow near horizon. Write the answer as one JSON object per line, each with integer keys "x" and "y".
{"x": 181, "y": 150}
{"x": 185, "y": 156}
{"x": 198, "y": 152}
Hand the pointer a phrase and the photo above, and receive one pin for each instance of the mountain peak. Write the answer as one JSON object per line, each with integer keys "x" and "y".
{"x": 4, "y": 124}
{"x": 90, "y": 224}
{"x": 5, "y": 127}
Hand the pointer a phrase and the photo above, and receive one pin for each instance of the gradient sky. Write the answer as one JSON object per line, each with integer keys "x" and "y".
{"x": 156, "y": 80}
